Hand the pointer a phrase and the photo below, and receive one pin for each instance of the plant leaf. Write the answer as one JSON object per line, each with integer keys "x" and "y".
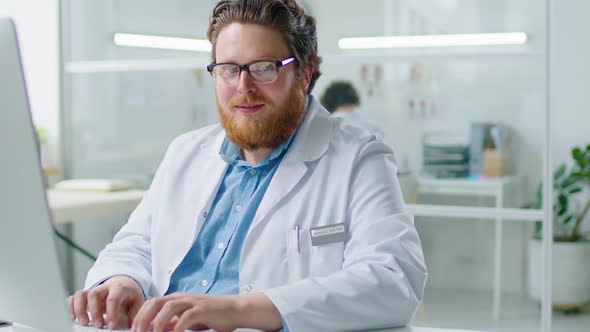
{"x": 574, "y": 190}
{"x": 563, "y": 200}
{"x": 577, "y": 154}
{"x": 568, "y": 219}
{"x": 538, "y": 229}
{"x": 540, "y": 196}
{"x": 570, "y": 180}
{"x": 559, "y": 172}
{"x": 563, "y": 203}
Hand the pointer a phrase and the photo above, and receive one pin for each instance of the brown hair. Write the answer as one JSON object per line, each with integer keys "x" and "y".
{"x": 283, "y": 16}
{"x": 339, "y": 93}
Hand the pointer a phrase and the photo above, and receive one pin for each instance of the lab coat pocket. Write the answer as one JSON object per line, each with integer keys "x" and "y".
{"x": 305, "y": 260}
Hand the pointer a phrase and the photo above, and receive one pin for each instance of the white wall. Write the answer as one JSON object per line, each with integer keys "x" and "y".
{"x": 37, "y": 23}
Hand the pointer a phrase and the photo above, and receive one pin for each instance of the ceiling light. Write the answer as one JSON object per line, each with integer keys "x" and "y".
{"x": 478, "y": 39}
{"x": 168, "y": 43}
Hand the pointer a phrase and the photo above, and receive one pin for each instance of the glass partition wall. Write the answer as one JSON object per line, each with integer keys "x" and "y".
{"x": 474, "y": 200}
{"x": 468, "y": 123}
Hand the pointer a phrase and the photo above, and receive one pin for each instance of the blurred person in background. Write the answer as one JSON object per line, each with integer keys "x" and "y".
{"x": 341, "y": 99}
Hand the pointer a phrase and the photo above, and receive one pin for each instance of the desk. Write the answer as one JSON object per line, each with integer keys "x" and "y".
{"x": 20, "y": 328}
{"x": 67, "y": 206}
{"x": 494, "y": 187}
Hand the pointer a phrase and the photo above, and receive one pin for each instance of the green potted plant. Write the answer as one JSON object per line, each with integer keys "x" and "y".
{"x": 571, "y": 248}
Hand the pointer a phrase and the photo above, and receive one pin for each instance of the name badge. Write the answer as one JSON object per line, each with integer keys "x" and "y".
{"x": 328, "y": 234}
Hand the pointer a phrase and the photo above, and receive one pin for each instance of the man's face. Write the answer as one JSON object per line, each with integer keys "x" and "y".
{"x": 255, "y": 114}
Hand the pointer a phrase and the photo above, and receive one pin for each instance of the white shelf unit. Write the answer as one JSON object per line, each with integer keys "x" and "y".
{"x": 490, "y": 187}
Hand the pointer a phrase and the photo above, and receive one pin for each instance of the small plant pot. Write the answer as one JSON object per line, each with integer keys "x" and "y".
{"x": 570, "y": 273}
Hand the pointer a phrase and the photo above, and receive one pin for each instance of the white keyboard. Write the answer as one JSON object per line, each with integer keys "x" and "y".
{"x": 80, "y": 328}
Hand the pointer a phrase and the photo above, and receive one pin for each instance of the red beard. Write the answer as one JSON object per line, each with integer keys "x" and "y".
{"x": 269, "y": 127}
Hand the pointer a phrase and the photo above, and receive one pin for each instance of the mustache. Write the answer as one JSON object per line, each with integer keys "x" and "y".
{"x": 250, "y": 99}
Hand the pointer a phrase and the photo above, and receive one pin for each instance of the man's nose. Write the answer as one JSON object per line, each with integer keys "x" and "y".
{"x": 245, "y": 82}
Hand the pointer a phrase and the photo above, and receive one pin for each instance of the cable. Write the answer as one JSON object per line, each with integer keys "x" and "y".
{"x": 72, "y": 244}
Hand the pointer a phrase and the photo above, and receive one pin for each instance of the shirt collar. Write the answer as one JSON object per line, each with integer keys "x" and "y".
{"x": 230, "y": 153}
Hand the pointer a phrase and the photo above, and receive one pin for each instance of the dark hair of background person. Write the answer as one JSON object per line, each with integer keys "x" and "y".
{"x": 284, "y": 16}
{"x": 339, "y": 93}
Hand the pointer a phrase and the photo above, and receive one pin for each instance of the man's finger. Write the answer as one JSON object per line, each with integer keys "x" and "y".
{"x": 167, "y": 312}
{"x": 146, "y": 314}
{"x": 171, "y": 324}
{"x": 114, "y": 303}
{"x": 96, "y": 305}
{"x": 70, "y": 304}
{"x": 80, "y": 304}
{"x": 132, "y": 311}
{"x": 190, "y": 320}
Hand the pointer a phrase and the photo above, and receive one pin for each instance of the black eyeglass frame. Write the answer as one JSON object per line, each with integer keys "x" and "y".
{"x": 246, "y": 67}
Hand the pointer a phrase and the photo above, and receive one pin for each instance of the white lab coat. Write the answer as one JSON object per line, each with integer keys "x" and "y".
{"x": 333, "y": 172}
{"x": 361, "y": 118}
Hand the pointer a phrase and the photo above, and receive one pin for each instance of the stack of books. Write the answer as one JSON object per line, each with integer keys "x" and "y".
{"x": 446, "y": 156}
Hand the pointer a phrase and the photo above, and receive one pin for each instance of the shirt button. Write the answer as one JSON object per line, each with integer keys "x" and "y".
{"x": 205, "y": 214}
{"x": 204, "y": 283}
{"x": 220, "y": 245}
{"x": 238, "y": 208}
{"x": 252, "y": 171}
{"x": 247, "y": 289}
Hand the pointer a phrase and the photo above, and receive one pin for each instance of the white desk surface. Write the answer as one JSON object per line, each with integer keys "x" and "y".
{"x": 20, "y": 328}
{"x": 67, "y": 206}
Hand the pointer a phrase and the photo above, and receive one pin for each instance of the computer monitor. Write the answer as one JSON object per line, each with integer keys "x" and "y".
{"x": 31, "y": 285}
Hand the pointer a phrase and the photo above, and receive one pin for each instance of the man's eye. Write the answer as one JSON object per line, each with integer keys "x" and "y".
{"x": 263, "y": 67}
{"x": 227, "y": 70}
{"x": 269, "y": 67}
{"x": 230, "y": 69}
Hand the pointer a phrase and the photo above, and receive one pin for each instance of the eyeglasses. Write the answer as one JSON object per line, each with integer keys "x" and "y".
{"x": 263, "y": 71}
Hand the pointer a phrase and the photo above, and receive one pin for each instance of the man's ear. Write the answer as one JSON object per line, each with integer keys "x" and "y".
{"x": 307, "y": 74}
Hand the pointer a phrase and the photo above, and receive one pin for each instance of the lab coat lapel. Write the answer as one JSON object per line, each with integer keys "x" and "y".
{"x": 310, "y": 143}
{"x": 215, "y": 169}
{"x": 286, "y": 177}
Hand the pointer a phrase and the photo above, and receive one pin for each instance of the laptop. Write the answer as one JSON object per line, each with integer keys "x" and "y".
{"x": 32, "y": 291}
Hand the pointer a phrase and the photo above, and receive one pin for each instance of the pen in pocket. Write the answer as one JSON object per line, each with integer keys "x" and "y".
{"x": 297, "y": 231}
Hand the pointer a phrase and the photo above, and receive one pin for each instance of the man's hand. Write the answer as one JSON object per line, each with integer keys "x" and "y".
{"x": 184, "y": 311}
{"x": 117, "y": 296}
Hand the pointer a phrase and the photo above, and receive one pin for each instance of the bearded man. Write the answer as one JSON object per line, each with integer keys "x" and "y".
{"x": 281, "y": 217}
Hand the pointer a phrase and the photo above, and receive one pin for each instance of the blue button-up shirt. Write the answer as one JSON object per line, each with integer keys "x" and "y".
{"x": 212, "y": 264}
